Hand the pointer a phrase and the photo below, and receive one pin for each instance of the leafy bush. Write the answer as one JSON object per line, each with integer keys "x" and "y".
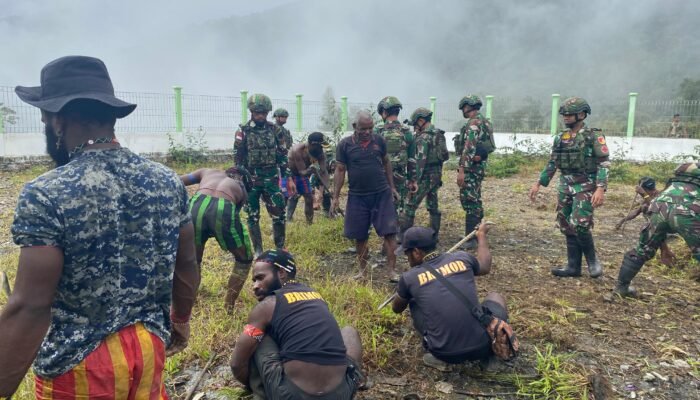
{"x": 194, "y": 150}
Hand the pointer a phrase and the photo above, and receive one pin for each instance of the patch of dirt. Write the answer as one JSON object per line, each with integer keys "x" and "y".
{"x": 627, "y": 348}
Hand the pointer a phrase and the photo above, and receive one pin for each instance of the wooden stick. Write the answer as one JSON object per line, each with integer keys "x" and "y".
{"x": 199, "y": 377}
{"x": 453, "y": 248}
{"x": 634, "y": 202}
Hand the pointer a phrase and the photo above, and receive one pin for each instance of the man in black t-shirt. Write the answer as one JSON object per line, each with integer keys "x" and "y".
{"x": 292, "y": 347}
{"x": 450, "y": 332}
{"x": 371, "y": 195}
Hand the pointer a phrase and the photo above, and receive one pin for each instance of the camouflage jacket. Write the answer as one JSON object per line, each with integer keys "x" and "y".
{"x": 586, "y": 156}
{"x": 683, "y": 189}
{"x": 260, "y": 150}
{"x": 403, "y": 160}
{"x": 468, "y": 138}
{"x": 286, "y": 136}
{"x": 431, "y": 150}
{"x": 117, "y": 217}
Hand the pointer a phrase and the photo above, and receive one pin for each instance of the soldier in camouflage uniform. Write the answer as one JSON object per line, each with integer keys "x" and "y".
{"x": 431, "y": 153}
{"x": 280, "y": 115}
{"x": 259, "y": 152}
{"x": 107, "y": 252}
{"x": 400, "y": 147}
{"x": 321, "y": 194}
{"x": 675, "y": 210}
{"x": 472, "y": 146}
{"x": 581, "y": 154}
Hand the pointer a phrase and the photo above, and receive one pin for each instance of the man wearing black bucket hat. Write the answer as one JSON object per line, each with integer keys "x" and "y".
{"x": 449, "y": 339}
{"x": 107, "y": 263}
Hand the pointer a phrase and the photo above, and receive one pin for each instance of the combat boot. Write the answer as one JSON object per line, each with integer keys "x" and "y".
{"x": 256, "y": 239}
{"x": 435, "y": 224}
{"x": 405, "y": 222}
{"x": 291, "y": 207}
{"x": 470, "y": 223}
{"x": 573, "y": 254}
{"x": 278, "y": 234}
{"x": 631, "y": 264}
{"x": 588, "y": 248}
{"x": 233, "y": 290}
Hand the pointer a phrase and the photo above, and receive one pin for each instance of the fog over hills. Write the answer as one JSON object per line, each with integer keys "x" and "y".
{"x": 365, "y": 49}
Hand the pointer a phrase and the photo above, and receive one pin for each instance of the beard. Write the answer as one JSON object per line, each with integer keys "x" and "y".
{"x": 59, "y": 154}
{"x": 274, "y": 285}
{"x": 315, "y": 152}
{"x": 571, "y": 125}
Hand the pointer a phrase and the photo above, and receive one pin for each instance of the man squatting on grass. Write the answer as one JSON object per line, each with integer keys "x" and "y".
{"x": 216, "y": 212}
{"x": 306, "y": 160}
{"x": 107, "y": 254}
{"x": 448, "y": 339}
{"x": 371, "y": 194}
{"x": 292, "y": 347}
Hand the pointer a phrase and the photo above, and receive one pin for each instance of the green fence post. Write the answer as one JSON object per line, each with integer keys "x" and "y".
{"x": 433, "y": 99}
{"x": 489, "y": 106}
{"x": 178, "y": 108}
{"x": 244, "y": 106}
{"x": 554, "y": 125}
{"x": 344, "y": 113}
{"x": 630, "y": 115}
{"x": 300, "y": 116}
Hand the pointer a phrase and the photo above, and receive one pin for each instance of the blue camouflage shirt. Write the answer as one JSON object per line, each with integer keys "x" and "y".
{"x": 116, "y": 216}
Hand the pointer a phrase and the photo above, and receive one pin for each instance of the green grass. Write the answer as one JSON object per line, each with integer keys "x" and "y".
{"x": 559, "y": 378}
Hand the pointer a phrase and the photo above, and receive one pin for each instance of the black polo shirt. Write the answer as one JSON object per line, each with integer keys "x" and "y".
{"x": 447, "y": 325}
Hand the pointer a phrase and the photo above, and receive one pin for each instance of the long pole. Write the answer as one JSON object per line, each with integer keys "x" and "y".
{"x": 453, "y": 248}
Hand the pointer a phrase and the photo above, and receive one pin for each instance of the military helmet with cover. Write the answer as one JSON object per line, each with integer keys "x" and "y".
{"x": 280, "y": 112}
{"x": 421, "y": 112}
{"x": 470, "y": 100}
{"x": 574, "y": 105}
{"x": 387, "y": 103}
{"x": 259, "y": 103}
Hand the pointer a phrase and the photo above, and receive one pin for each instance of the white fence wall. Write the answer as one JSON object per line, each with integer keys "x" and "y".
{"x": 636, "y": 149}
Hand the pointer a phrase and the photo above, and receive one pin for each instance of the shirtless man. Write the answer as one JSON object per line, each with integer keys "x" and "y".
{"x": 215, "y": 210}
{"x": 305, "y": 160}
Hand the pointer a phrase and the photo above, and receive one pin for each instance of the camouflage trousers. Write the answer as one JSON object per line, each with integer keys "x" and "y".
{"x": 427, "y": 189}
{"x": 400, "y": 183}
{"x": 668, "y": 218}
{"x": 268, "y": 188}
{"x": 470, "y": 194}
{"x": 574, "y": 211}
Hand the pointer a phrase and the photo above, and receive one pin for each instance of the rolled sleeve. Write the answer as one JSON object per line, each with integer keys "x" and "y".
{"x": 402, "y": 289}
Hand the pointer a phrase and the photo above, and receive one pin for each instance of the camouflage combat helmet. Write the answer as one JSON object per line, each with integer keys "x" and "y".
{"x": 259, "y": 103}
{"x": 574, "y": 105}
{"x": 280, "y": 112}
{"x": 420, "y": 112}
{"x": 387, "y": 103}
{"x": 470, "y": 100}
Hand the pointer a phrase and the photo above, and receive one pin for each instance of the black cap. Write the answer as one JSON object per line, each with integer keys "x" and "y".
{"x": 280, "y": 258}
{"x": 72, "y": 78}
{"x": 417, "y": 237}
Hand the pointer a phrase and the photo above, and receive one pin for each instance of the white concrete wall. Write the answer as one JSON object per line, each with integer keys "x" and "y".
{"x": 636, "y": 149}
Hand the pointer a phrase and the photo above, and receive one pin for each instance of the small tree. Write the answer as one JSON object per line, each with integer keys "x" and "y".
{"x": 330, "y": 119}
{"x": 9, "y": 116}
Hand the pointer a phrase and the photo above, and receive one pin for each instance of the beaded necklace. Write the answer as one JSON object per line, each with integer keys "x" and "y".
{"x": 77, "y": 149}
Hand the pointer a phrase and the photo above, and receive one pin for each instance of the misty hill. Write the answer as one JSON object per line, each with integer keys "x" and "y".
{"x": 415, "y": 49}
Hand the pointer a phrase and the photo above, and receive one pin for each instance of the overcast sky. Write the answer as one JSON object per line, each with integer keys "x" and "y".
{"x": 364, "y": 49}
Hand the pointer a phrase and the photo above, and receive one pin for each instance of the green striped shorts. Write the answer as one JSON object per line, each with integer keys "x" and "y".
{"x": 218, "y": 218}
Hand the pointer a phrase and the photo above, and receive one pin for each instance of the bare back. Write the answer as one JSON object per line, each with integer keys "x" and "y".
{"x": 299, "y": 158}
{"x": 216, "y": 183}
